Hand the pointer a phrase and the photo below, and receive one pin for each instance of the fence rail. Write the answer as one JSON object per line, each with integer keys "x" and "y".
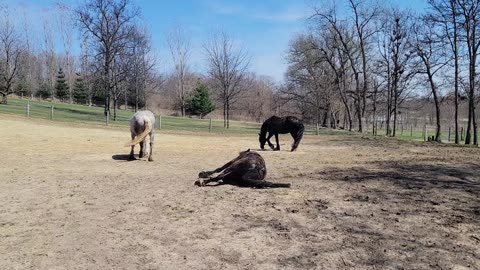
{"x": 95, "y": 115}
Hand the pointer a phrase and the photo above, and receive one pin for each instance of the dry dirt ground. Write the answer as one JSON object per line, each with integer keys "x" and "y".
{"x": 70, "y": 200}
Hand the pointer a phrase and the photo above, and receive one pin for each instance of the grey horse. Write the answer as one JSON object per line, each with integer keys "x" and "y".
{"x": 142, "y": 128}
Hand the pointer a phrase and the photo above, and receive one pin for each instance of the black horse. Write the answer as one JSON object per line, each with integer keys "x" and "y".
{"x": 281, "y": 125}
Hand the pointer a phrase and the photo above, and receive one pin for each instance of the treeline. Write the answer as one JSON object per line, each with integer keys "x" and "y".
{"x": 358, "y": 64}
{"x": 362, "y": 62}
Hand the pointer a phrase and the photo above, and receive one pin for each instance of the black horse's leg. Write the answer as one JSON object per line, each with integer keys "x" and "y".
{"x": 269, "y": 142}
{"x": 297, "y": 137}
{"x": 278, "y": 143}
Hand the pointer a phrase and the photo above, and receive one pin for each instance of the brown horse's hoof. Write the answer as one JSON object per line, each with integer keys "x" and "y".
{"x": 203, "y": 175}
{"x": 276, "y": 149}
{"x": 150, "y": 159}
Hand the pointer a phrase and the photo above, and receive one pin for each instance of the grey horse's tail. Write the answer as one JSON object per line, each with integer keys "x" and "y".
{"x": 141, "y": 136}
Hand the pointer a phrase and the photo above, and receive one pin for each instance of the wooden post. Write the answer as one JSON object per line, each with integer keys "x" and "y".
{"x": 448, "y": 133}
{"x": 461, "y": 135}
{"x": 160, "y": 122}
{"x": 425, "y": 135}
{"x": 51, "y": 112}
{"x": 318, "y": 131}
{"x": 28, "y": 108}
{"x": 106, "y": 118}
{"x": 411, "y": 130}
{"x": 402, "y": 129}
{"x": 210, "y": 126}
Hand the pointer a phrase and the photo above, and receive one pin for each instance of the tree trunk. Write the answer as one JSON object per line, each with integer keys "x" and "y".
{"x": 468, "y": 133}
{"x": 228, "y": 114}
{"x": 224, "y": 114}
{"x": 115, "y": 109}
{"x": 438, "y": 135}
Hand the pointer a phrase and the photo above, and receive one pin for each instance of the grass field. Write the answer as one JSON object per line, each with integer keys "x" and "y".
{"x": 71, "y": 200}
{"x": 74, "y": 113}
{"x": 95, "y": 115}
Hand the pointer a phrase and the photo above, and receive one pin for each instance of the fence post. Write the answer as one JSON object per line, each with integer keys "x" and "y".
{"x": 448, "y": 133}
{"x": 402, "y": 130}
{"x": 318, "y": 131}
{"x": 425, "y": 133}
{"x": 51, "y": 113}
{"x": 411, "y": 130}
{"x": 106, "y": 117}
{"x": 210, "y": 126}
{"x": 160, "y": 121}
{"x": 28, "y": 108}
{"x": 461, "y": 135}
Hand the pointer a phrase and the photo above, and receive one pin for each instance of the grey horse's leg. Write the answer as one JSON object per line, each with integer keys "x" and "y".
{"x": 150, "y": 156}
{"x": 152, "y": 138}
{"x": 131, "y": 156}
{"x": 140, "y": 155}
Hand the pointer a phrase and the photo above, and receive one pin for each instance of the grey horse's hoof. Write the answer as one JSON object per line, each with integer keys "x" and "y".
{"x": 199, "y": 183}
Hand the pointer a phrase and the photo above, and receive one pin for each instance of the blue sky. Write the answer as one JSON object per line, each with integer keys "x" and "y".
{"x": 264, "y": 28}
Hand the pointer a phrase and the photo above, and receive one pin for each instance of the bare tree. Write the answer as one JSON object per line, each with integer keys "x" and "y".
{"x": 432, "y": 59}
{"x": 180, "y": 48}
{"x": 228, "y": 67}
{"x": 354, "y": 45}
{"x": 470, "y": 23}
{"x": 309, "y": 78}
{"x": 445, "y": 13}
{"x": 108, "y": 23}
{"x": 66, "y": 26}
{"x": 49, "y": 54}
{"x": 10, "y": 52}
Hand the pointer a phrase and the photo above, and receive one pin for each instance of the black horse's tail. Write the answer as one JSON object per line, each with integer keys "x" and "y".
{"x": 266, "y": 184}
{"x": 277, "y": 185}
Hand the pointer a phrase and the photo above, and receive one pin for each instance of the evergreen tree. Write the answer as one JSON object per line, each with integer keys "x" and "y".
{"x": 80, "y": 90}
{"x": 43, "y": 91}
{"x": 23, "y": 88}
{"x": 200, "y": 102}
{"x": 61, "y": 86}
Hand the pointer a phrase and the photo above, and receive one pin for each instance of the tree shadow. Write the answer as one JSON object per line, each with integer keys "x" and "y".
{"x": 463, "y": 177}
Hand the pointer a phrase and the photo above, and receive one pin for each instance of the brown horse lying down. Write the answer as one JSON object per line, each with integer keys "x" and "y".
{"x": 246, "y": 170}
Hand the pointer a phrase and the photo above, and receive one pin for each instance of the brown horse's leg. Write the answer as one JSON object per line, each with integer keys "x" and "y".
{"x": 206, "y": 174}
{"x": 201, "y": 182}
{"x": 268, "y": 141}
{"x": 278, "y": 143}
